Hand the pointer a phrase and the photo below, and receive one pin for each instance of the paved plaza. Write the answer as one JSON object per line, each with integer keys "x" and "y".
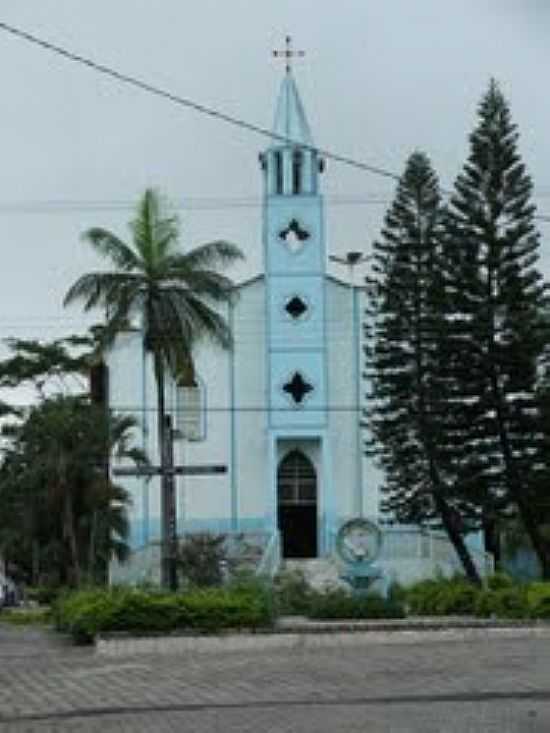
{"x": 423, "y": 682}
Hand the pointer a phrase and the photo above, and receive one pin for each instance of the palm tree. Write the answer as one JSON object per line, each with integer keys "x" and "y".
{"x": 175, "y": 292}
{"x": 55, "y": 497}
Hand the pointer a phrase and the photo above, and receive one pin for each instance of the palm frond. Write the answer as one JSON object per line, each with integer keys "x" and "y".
{"x": 204, "y": 283}
{"x": 154, "y": 234}
{"x": 109, "y": 245}
{"x": 207, "y": 323}
{"x": 210, "y": 255}
{"x": 100, "y": 288}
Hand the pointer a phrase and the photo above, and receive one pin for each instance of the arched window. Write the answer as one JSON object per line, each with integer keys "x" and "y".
{"x": 296, "y": 479}
{"x": 190, "y": 411}
{"x": 297, "y": 167}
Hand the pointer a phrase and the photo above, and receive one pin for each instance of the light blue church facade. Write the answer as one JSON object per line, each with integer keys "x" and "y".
{"x": 282, "y": 410}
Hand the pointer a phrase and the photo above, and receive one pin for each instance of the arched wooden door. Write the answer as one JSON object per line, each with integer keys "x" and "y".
{"x": 297, "y": 505}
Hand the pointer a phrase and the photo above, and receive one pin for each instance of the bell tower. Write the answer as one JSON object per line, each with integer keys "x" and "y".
{"x": 295, "y": 268}
{"x": 294, "y": 260}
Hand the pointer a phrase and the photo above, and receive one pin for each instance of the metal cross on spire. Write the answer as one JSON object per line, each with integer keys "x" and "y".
{"x": 289, "y": 53}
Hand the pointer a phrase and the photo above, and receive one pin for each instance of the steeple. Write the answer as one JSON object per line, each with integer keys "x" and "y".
{"x": 290, "y": 117}
{"x": 291, "y": 164}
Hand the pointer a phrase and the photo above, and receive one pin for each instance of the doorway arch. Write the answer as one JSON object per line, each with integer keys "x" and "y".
{"x": 297, "y": 505}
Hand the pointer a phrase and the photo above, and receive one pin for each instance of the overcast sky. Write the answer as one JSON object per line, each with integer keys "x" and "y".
{"x": 381, "y": 78}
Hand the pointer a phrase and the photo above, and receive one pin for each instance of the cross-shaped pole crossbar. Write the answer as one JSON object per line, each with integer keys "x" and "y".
{"x": 168, "y": 471}
{"x": 288, "y": 53}
{"x": 201, "y": 470}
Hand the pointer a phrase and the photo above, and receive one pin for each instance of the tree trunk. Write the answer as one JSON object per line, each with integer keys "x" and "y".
{"x": 168, "y": 561}
{"x": 448, "y": 515}
{"x": 493, "y": 543}
{"x": 448, "y": 520}
{"x": 69, "y": 533}
{"x": 91, "y": 548}
{"x": 35, "y": 572}
{"x": 445, "y": 512}
{"x": 516, "y": 491}
{"x": 71, "y": 537}
{"x": 161, "y": 409}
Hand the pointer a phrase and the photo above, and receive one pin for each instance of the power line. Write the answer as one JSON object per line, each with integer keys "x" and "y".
{"x": 201, "y": 108}
{"x": 213, "y": 204}
{"x": 198, "y": 107}
{"x": 202, "y": 204}
{"x": 224, "y": 409}
{"x": 189, "y": 103}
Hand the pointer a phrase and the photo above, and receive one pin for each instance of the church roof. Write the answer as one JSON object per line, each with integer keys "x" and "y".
{"x": 290, "y": 117}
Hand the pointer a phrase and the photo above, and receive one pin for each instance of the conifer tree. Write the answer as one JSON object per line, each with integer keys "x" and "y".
{"x": 495, "y": 300}
{"x": 404, "y": 334}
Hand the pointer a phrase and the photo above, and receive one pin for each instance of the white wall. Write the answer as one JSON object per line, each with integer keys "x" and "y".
{"x": 250, "y": 417}
{"x": 347, "y": 390}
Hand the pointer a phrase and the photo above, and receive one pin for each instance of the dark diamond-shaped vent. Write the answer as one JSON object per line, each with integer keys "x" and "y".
{"x": 294, "y": 228}
{"x": 297, "y": 388}
{"x": 294, "y": 236}
{"x": 296, "y": 307}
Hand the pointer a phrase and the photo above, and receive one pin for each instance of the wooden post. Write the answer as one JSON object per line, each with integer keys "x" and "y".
{"x": 169, "y": 514}
{"x": 168, "y": 472}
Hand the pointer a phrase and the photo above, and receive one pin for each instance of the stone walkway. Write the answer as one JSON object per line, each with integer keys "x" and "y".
{"x": 495, "y": 683}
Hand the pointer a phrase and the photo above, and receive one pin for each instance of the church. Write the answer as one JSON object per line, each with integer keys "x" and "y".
{"x": 282, "y": 410}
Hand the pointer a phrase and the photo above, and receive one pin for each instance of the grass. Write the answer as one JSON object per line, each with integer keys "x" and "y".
{"x": 25, "y": 617}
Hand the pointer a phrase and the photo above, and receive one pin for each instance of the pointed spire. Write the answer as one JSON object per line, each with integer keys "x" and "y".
{"x": 290, "y": 117}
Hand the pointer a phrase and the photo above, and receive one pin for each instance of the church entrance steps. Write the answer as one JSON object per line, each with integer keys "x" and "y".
{"x": 320, "y": 573}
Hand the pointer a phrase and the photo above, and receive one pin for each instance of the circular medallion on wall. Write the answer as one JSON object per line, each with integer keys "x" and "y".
{"x": 359, "y": 541}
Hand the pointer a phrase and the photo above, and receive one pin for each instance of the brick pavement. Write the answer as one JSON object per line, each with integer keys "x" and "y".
{"x": 484, "y": 684}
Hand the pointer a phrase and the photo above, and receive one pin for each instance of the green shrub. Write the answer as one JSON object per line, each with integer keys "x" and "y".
{"x": 397, "y": 593}
{"x": 292, "y": 593}
{"x": 339, "y": 604}
{"x": 42, "y": 594}
{"x": 86, "y": 613}
{"x": 500, "y": 580}
{"x": 538, "y": 600}
{"x": 457, "y": 598}
{"x": 506, "y": 602}
{"x": 200, "y": 559}
{"x": 422, "y": 597}
{"x": 442, "y": 597}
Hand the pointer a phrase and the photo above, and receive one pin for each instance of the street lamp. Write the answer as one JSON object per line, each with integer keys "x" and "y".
{"x": 352, "y": 259}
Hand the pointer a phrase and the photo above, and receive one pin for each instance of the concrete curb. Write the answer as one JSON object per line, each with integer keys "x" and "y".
{"x": 310, "y": 635}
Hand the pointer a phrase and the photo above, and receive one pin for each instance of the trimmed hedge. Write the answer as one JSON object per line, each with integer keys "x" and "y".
{"x": 500, "y": 598}
{"x": 339, "y": 604}
{"x": 442, "y": 597}
{"x": 538, "y": 600}
{"x": 250, "y": 605}
{"x": 503, "y": 603}
{"x": 86, "y": 613}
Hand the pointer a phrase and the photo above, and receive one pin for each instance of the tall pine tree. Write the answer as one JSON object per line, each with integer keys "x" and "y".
{"x": 404, "y": 334}
{"x": 495, "y": 300}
